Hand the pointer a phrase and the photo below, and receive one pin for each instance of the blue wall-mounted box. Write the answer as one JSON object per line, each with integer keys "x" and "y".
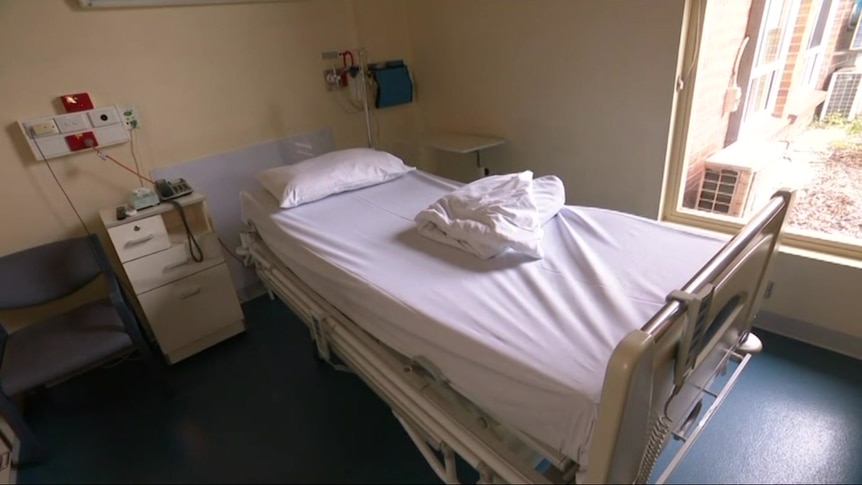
{"x": 394, "y": 86}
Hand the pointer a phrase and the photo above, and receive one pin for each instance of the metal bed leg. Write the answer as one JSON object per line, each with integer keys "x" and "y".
{"x": 689, "y": 440}
{"x": 321, "y": 344}
{"x": 751, "y": 344}
{"x": 446, "y": 471}
{"x": 486, "y": 475}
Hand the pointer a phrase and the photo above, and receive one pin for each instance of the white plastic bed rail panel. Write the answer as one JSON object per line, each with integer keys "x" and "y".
{"x": 222, "y": 176}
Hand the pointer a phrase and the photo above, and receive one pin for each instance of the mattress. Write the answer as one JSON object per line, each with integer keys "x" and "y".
{"x": 526, "y": 340}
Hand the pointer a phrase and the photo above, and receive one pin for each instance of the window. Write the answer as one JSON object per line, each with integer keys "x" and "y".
{"x": 773, "y": 40}
{"x": 814, "y": 51}
{"x": 727, "y": 158}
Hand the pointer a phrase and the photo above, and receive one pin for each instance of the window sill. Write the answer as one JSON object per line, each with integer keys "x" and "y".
{"x": 792, "y": 249}
{"x": 765, "y": 126}
{"x": 762, "y": 126}
{"x": 792, "y": 242}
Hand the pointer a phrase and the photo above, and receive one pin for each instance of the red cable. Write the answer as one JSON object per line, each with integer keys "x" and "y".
{"x": 104, "y": 155}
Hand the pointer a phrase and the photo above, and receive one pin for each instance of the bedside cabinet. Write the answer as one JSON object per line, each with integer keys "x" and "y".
{"x": 188, "y": 305}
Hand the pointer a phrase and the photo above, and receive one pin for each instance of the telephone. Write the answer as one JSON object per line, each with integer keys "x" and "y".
{"x": 171, "y": 189}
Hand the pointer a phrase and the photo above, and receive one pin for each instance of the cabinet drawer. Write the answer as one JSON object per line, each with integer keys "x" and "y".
{"x": 191, "y": 308}
{"x": 172, "y": 264}
{"x": 139, "y": 238}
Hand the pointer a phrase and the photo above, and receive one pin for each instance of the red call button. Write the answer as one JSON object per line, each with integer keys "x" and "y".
{"x": 76, "y": 102}
{"x": 81, "y": 141}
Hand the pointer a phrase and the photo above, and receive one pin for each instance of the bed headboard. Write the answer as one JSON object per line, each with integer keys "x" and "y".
{"x": 222, "y": 176}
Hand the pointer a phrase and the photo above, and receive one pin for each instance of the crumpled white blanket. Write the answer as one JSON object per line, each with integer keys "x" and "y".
{"x": 495, "y": 214}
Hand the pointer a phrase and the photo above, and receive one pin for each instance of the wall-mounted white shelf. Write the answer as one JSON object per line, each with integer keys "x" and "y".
{"x": 462, "y": 143}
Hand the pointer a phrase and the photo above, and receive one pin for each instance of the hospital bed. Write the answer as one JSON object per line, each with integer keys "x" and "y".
{"x": 580, "y": 366}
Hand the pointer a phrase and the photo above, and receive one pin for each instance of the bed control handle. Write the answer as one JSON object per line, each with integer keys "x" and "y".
{"x": 140, "y": 240}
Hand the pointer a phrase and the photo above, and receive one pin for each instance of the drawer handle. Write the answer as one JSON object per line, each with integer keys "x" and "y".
{"x": 190, "y": 294}
{"x": 135, "y": 242}
{"x": 176, "y": 265}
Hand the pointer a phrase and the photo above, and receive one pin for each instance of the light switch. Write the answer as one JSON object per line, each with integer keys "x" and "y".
{"x": 71, "y": 123}
{"x": 44, "y": 128}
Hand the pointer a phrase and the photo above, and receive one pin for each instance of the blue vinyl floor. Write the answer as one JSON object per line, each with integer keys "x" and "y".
{"x": 258, "y": 408}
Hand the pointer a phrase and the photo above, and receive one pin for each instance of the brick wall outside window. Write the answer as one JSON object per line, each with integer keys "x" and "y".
{"x": 724, "y": 29}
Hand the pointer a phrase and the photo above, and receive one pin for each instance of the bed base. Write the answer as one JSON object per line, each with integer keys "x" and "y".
{"x": 654, "y": 387}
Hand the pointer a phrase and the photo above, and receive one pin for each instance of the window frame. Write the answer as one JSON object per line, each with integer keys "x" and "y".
{"x": 671, "y": 208}
{"x": 771, "y": 70}
{"x": 813, "y": 56}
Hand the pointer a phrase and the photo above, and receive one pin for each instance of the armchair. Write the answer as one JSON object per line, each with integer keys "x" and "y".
{"x": 72, "y": 332}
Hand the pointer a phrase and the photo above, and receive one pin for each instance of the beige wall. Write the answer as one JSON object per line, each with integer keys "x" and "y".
{"x": 205, "y": 79}
{"x": 584, "y": 89}
{"x": 580, "y": 89}
{"x": 822, "y": 292}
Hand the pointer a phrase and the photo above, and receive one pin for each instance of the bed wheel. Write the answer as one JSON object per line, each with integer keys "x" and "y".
{"x": 751, "y": 344}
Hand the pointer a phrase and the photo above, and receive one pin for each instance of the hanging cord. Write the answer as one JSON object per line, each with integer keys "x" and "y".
{"x": 77, "y": 214}
{"x": 105, "y": 156}
{"x": 659, "y": 432}
{"x": 193, "y": 243}
{"x": 363, "y": 67}
{"x": 132, "y": 146}
{"x": 65, "y": 194}
{"x": 229, "y": 251}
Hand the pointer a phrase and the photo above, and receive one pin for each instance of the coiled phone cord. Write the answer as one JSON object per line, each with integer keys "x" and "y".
{"x": 193, "y": 243}
{"x": 660, "y": 430}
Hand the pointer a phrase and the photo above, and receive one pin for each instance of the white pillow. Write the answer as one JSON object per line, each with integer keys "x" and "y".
{"x": 329, "y": 174}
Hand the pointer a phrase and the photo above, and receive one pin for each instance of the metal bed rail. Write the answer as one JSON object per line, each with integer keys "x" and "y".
{"x": 777, "y": 206}
{"x": 639, "y": 378}
{"x": 657, "y": 374}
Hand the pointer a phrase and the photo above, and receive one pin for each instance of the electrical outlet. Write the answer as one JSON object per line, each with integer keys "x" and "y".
{"x": 103, "y": 117}
{"x": 129, "y": 116}
{"x": 44, "y": 128}
{"x": 71, "y": 123}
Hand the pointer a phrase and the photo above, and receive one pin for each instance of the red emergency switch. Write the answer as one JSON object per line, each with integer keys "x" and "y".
{"x": 81, "y": 141}
{"x": 76, "y": 102}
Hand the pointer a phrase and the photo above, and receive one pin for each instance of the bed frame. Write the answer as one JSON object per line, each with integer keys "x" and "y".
{"x": 655, "y": 389}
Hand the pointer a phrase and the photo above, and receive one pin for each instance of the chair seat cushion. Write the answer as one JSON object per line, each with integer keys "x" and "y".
{"x": 49, "y": 349}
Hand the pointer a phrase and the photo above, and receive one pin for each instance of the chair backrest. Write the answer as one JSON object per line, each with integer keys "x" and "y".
{"x": 45, "y": 273}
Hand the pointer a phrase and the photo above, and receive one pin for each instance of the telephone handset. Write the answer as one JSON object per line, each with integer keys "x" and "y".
{"x": 171, "y": 189}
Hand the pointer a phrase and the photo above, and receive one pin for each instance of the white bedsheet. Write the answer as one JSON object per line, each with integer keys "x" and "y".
{"x": 527, "y": 340}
